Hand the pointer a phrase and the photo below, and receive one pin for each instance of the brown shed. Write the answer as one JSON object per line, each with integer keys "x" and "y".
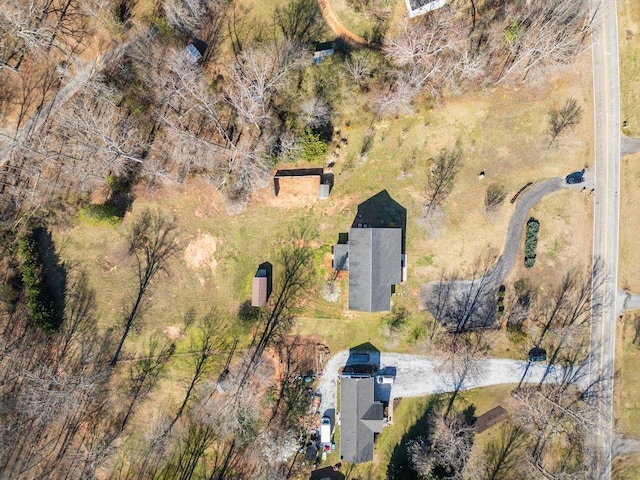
{"x": 260, "y": 289}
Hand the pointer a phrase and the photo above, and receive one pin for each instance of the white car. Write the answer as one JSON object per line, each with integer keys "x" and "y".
{"x": 384, "y": 379}
{"x": 325, "y": 430}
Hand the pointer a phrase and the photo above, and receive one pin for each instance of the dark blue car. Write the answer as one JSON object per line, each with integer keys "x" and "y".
{"x": 575, "y": 177}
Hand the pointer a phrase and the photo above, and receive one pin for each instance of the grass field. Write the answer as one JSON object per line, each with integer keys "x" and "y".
{"x": 221, "y": 252}
{"x": 409, "y": 421}
{"x": 626, "y": 401}
{"x": 629, "y": 33}
{"x": 629, "y": 260}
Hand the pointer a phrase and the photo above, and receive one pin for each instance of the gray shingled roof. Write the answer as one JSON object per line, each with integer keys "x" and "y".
{"x": 360, "y": 418}
{"x": 375, "y": 256}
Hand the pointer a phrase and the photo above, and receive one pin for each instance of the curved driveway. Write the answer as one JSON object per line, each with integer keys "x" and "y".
{"x": 461, "y": 304}
{"x": 527, "y": 201}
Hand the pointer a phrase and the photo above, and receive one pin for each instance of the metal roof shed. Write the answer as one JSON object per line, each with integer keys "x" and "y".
{"x": 323, "y": 191}
{"x": 260, "y": 289}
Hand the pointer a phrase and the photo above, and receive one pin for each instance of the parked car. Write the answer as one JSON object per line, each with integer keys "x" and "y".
{"x": 575, "y": 177}
{"x": 382, "y": 379}
{"x": 325, "y": 430}
{"x": 537, "y": 354}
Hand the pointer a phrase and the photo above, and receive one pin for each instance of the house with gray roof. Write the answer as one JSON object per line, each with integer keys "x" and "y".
{"x": 373, "y": 253}
{"x": 361, "y": 417}
{"x": 373, "y": 258}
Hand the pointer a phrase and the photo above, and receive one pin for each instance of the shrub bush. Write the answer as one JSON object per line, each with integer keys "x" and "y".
{"x": 39, "y": 297}
{"x": 531, "y": 242}
{"x": 101, "y": 214}
{"x": 313, "y": 148}
{"x": 516, "y": 334}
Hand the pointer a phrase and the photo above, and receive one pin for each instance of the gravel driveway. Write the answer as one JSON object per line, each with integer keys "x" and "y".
{"x": 417, "y": 376}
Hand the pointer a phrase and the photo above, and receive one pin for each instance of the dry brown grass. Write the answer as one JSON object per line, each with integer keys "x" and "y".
{"x": 502, "y": 133}
{"x": 629, "y": 254}
{"x": 629, "y": 35}
{"x": 629, "y": 32}
{"x": 626, "y": 403}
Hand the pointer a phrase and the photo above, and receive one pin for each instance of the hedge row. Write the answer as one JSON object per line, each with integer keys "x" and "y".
{"x": 500, "y": 299}
{"x": 39, "y": 298}
{"x": 531, "y": 242}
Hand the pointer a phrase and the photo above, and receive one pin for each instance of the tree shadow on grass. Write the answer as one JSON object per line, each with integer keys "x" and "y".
{"x": 54, "y": 270}
{"x": 399, "y": 467}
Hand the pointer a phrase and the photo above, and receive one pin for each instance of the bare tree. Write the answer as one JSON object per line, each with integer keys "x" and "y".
{"x": 558, "y": 424}
{"x": 24, "y": 30}
{"x": 257, "y": 75}
{"x": 565, "y": 118}
{"x": 104, "y": 133}
{"x": 315, "y": 112}
{"x": 396, "y": 99}
{"x": 186, "y": 16}
{"x": 502, "y": 458}
{"x": 441, "y": 178}
{"x": 494, "y": 197}
{"x": 293, "y": 282}
{"x": 444, "y": 452}
{"x": 361, "y": 65}
{"x": 210, "y": 342}
{"x": 431, "y": 48}
{"x": 545, "y": 35}
{"x": 461, "y": 360}
{"x": 152, "y": 241}
{"x": 301, "y": 21}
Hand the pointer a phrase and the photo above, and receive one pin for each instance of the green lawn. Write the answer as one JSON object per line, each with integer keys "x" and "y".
{"x": 410, "y": 421}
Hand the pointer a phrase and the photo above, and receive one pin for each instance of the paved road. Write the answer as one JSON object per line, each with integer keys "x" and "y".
{"x": 606, "y": 94}
{"x": 417, "y": 376}
{"x": 629, "y": 145}
{"x": 627, "y": 301}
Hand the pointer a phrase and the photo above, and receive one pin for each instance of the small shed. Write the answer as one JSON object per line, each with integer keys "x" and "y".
{"x": 260, "y": 289}
{"x": 489, "y": 419}
{"x": 323, "y": 191}
{"x": 193, "y": 53}
{"x": 321, "y": 55}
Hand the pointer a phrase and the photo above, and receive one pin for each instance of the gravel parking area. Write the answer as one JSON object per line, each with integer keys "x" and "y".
{"x": 417, "y": 376}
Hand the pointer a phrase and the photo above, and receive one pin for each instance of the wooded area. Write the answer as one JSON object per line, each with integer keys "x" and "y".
{"x": 145, "y": 110}
{"x": 105, "y": 94}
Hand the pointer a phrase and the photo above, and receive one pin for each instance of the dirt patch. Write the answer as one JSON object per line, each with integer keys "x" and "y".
{"x": 293, "y": 192}
{"x": 307, "y": 354}
{"x": 199, "y": 254}
{"x": 173, "y": 331}
{"x": 100, "y": 194}
{"x": 338, "y": 28}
